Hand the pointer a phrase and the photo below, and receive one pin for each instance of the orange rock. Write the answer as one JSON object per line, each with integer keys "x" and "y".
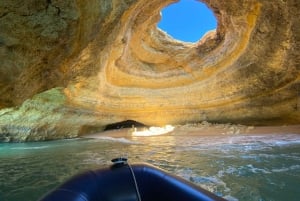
{"x": 110, "y": 59}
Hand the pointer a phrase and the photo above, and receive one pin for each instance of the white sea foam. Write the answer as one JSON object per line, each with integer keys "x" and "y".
{"x": 112, "y": 139}
{"x": 229, "y": 170}
{"x": 244, "y": 143}
{"x": 258, "y": 170}
{"x": 242, "y": 169}
{"x": 286, "y": 169}
{"x": 230, "y": 198}
{"x": 26, "y": 148}
{"x": 210, "y": 183}
{"x": 251, "y": 168}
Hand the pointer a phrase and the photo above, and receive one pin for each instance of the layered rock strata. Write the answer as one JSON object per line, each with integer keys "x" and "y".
{"x": 71, "y": 67}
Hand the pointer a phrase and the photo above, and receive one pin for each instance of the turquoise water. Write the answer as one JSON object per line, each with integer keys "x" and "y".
{"x": 258, "y": 167}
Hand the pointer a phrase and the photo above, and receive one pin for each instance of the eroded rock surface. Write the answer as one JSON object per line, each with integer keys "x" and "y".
{"x": 107, "y": 62}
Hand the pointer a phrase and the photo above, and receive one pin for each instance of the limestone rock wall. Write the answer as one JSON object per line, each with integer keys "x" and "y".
{"x": 108, "y": 62}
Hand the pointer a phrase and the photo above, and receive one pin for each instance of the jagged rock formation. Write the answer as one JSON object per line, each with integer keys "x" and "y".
{"x": 71, "y": 67}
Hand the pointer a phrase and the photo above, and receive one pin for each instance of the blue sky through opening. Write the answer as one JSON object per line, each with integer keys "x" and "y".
{"x": 187, "y": 20}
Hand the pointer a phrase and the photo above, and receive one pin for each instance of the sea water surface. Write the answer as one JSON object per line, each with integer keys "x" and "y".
{"x": 236, "y": 167}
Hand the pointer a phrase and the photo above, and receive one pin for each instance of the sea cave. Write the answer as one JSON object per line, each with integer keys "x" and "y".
{"x": 82, "y": 82}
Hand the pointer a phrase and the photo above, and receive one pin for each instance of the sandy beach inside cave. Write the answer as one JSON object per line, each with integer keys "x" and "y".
{"x": 208, "y": 129}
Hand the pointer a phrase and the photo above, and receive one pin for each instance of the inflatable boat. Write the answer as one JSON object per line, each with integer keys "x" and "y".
{"x": 126, "y": 182}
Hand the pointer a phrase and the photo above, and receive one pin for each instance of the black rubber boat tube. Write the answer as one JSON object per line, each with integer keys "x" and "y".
{"x": 116, "y": 183}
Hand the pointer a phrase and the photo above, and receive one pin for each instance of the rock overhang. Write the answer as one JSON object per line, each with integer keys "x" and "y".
{"x": 110, "y": 59}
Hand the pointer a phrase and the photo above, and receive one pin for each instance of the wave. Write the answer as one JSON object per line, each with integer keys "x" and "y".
{"x": 210, "y": 183}
{"x": 244, "y": 142}
{"x": 286, "y": 169}
{"x": 112, "y": 139}
{"x": 239, "y": 171}
{"x": 26, "y": 148}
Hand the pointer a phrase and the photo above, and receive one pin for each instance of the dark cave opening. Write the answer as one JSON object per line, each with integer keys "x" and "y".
{"x": 124, "y": 124}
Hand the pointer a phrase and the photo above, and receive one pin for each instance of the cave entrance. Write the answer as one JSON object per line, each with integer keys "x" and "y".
{"x": 187, "y": 20}
{"x": 124, "y": 124}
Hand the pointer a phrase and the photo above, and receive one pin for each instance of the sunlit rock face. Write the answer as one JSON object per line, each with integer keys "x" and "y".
{"x": 106, "y": 61}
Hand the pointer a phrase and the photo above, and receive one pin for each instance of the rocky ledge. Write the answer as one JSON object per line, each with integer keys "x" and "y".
{"x": 72, "y": 67}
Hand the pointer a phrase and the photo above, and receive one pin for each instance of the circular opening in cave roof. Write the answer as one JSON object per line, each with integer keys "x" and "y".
{"x": 187, "y": 20}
